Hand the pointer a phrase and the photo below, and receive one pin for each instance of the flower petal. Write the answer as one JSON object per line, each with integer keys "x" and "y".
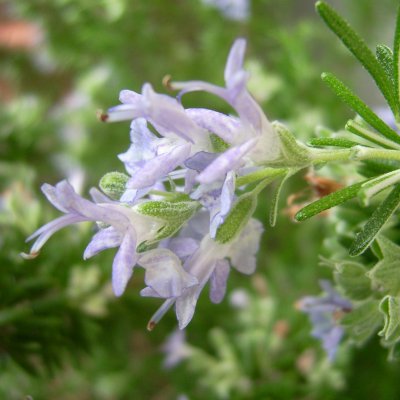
{"x": 44, "y": 233}
{"x": 130, "y": 97}
{"x": 183, "y": 247}
{"x": 227, "y": 161}
{"x": 185, "y": 306}
{"x": 218, "y": 281}
{"x": 164, "y": 273}
{"x": 220, "y": 211}
{"x": 234, "y": 63}
{"x": 243, "y": 250}
{"x": 158, "y": 167}
{"x": 124, "y": 261}
{"x": 142, "y": 147}
{"x": 104, "y": 239}
{"x": 200, "y": 160}
{"x": 226, "y": 127}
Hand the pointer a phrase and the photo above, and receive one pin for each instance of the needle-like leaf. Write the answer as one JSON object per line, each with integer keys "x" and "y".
{"x": 377, "y": 221}
{"x": 360, "y": 50}
{"x": 329, "y": 201}
{"x": 354, "y": 102}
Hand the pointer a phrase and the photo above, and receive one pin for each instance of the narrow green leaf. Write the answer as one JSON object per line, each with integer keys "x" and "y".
{"x": 240, "y": 213}
{"x": 336, "y": 142}
{"x": 376, "y": 185}
{"x": 354, "y": 102}
{"x": 375, "y": 224}
{"x": 360, "y": 50}
{"x": 373, "y": 137}
{"x": 384, "y": 55}
{"x": 329, "y": 201}
{"x": 371, "y": 168}
{"x": 396, "y": 61}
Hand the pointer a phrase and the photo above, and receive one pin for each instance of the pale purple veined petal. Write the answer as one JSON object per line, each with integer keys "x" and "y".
{"x": 158, "y": 167}
{"x": 168, "y": 115}
{"x": 201, "y": 265}
{"x": 228, "y": 193}
{"x": 183, "y": 247}
{"x": 45, "y": 232}
{"x": 197, "y": 227}
{"x": 226, "y": 127}
{"x": 164, "y": 273}
{"x": 227, "y": 161}
{"x": 244, "y": 250}
{"x": 235, "y": 60}
{"x": 220, "y": 210}
{"x": 71, "y": 202}
{"x": 218, "y": 281}
{"x": 52, "y": 196}
{"x": 149, "y": 292}
{"x": 124, "y": 261}
{"x": 196, "y": 86}
{"x": 190, "y": 180}
{"x": 200, "y": 160}
{"x": 104, "y": 239}
{"x": 130, "y": 97}
{"x": 142, "y": 147}
{"x": 185, "y": 306}
{"x": 133, "y": 195}
{"x": 99, "y": 197}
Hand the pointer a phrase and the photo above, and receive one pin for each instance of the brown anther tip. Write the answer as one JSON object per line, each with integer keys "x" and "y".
{"x": 151, "y": 325}
{"x": 101, "y": 116}
{"x": 29, "y": 256}
{"x": 166, "y": 81}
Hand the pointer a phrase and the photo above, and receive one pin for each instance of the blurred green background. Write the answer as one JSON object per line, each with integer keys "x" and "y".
{"x": 62, "y": 333}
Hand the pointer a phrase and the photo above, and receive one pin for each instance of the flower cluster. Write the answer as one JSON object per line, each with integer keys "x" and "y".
{"x": 183, "y": 212}
{"x": 325, "y": 312}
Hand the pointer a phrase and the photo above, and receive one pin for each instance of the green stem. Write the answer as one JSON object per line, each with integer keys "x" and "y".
{"x": 357, "y": 153}
{"x": 319, "y": 156}
{"x": 366, "y": 153}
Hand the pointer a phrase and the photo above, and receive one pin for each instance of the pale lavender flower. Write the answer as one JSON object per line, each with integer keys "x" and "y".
{"x": 211, "y": 262}
{"x": 175, "y": 348}
{"x": 322, "y": 311}
{"x": 251, "y": 124}
{"x": 150, "y": 159}
{"x": 125, "y": 229}
{"x": 236, "y": 10}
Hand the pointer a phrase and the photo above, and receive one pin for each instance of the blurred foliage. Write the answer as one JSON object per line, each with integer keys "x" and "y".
{"x": 62, "y": 334}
